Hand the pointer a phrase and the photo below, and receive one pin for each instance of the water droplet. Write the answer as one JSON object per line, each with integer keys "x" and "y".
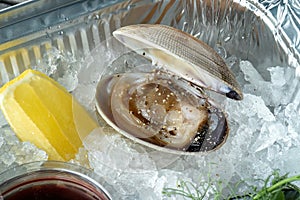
{"x": 97, "y": 17}
{"x": 221, "y": 51}
{"x": 60, "y": 32}
{"x": 227, "y": 38}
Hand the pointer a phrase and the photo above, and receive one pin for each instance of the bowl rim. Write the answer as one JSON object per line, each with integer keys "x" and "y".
{"x": 15, "y": 174}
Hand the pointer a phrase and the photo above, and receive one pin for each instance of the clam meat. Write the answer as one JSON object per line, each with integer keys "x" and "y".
{"x": 166, "y": 108}
{"x": 161, "y": 110}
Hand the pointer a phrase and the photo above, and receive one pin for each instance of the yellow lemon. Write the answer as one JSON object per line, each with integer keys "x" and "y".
{"x": 41, "y": 111}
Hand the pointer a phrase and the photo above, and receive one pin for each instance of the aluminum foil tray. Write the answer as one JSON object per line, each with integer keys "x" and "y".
{"x": 265, "y": 32}
{"x": 253, "y": 30}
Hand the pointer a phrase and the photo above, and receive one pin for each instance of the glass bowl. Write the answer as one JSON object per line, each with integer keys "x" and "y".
{"x": 51, "y": 180}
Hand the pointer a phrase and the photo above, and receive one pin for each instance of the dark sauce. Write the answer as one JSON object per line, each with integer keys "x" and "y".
{"x": 52, "y": 190}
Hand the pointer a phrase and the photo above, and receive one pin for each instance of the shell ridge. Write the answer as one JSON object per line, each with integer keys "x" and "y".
{"x": 192, "y": 53}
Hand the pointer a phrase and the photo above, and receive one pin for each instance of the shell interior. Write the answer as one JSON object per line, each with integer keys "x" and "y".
{"x": 159, "y": 112}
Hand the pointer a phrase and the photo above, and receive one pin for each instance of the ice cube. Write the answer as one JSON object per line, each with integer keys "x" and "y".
{"x": 240, "y": 142}
{"x": 27, "y": 152}
{"x": 13, "y": 151}
{"x": 61, "y": 66}
{"x": 291, "y": 160}
{"x": 68, "y": 81}
{"x": 291, "y": 118}
{"x": 121, "y": 153}
{"x": 252, "y": 168}
{"x": 246, "y": 109}
{"x": 277, "y": 75}
{"x": 274, "y": 151}
{"x": 280, "y": 90}
{"x": 250, "y": 73}
{"x": 49, "y": 63}
{"x": 269, "y": 134}
{"x": 85, "y": 95}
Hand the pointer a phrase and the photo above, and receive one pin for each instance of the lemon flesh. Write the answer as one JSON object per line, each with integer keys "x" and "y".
{"x": 41, "y": 111}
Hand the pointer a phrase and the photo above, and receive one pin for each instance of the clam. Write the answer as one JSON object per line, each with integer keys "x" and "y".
{"x": 166, "y": 108}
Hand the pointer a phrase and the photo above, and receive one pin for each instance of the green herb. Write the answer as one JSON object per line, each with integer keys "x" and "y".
{"x": 275, "y": 187}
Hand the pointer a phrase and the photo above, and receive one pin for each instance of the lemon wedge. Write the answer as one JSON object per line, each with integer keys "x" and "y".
{"x": 41, "y": 111}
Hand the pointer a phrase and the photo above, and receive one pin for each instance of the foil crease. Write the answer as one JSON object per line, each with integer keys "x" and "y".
{"x": 287, "y": 16}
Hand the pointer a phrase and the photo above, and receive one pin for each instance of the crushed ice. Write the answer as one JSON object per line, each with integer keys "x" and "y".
{"x": 264, "y": 137}
{"x": 264, "y": 133}
{"x": 14, "y": 152}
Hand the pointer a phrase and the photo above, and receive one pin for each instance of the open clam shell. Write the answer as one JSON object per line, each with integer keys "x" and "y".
{"x": 165, "y": 107}
{"x": 158, "y": 111}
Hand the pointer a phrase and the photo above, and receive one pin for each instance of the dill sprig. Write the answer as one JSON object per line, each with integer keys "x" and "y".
{"x": 275, "y": 187}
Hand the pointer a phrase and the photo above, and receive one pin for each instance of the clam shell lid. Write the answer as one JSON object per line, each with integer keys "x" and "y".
{"x": 182, "y": 54}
